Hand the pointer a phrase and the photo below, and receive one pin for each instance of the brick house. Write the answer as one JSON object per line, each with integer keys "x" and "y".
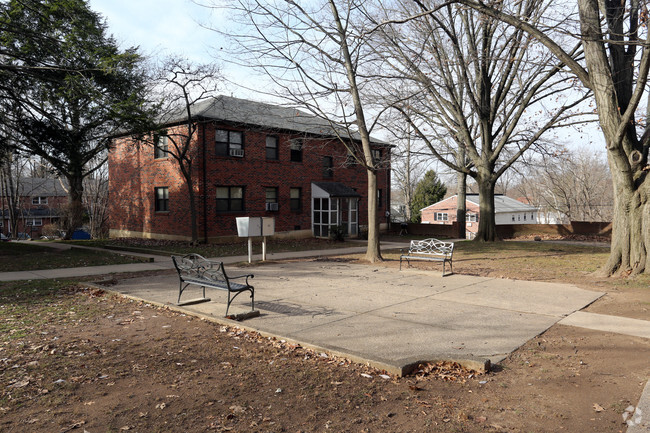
{"x": 250, "y": 159}
{"x": 507, "y": 211}
{"x": 40, "y": 203}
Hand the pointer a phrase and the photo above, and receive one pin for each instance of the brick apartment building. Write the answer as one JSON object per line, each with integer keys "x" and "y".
{"x": 40, "y": 203}
{"x": 507, "y": 211}
{"x": 250, "y": 159}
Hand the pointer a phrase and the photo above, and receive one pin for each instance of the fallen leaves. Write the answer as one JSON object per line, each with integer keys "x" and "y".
{"x": 445, "y": 370}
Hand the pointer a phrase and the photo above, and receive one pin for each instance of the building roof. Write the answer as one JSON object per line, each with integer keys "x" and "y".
{"x": 243, "y": 111}
{"x": 504, "y": 204}
{"x": 40, "y": 187}
{"x": 336, "y": 189}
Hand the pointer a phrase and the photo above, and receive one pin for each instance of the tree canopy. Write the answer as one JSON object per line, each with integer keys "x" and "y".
{"x": 66, "y": 87}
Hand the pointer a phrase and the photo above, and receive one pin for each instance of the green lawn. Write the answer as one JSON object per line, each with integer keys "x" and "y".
{"x": 18, "y": 256}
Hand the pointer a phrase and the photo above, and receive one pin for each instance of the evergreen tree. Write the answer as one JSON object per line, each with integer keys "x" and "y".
{"x": 67, "y": 88}
{"x": 427, "y": 192}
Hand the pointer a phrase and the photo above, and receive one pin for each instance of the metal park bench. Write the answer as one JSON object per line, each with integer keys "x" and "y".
{"x": 197, "y": 270}
{"x": 429, "y": 249}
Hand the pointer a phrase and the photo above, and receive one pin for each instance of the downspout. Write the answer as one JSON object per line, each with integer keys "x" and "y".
{"x": 388, "y": 195}
{"x": 205, "y": 197}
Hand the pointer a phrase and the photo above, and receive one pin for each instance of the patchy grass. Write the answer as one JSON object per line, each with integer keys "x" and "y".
{"x": 570, "y": 263}
{"x": 15, "y": 256}
{"x": 164, "y": 247}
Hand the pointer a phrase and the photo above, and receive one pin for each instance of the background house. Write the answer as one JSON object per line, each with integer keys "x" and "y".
{"x": 39, "y": 203}
{"x": 250, "y": 159}
{"x": 507, "y": 211}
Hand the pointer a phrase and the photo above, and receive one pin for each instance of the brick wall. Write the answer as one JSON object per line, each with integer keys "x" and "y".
{"x": 134, "y": 173}
{"x": 447, "y": 206}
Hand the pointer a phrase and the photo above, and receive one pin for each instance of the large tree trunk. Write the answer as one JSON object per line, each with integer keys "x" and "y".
{"x": 486, "y": 223}
{"x": 373, "y": 252}
{"x": 75, "y": 210}
{"x": 631, "y": 227}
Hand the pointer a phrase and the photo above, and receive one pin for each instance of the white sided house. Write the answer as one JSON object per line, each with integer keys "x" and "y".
{"x": 507, "y": 211}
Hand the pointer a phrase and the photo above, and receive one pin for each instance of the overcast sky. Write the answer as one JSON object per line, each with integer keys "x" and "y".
{"x": 171, "y": 27}
{"x": 160, "y": 27}
{"x": 163, "y": 27}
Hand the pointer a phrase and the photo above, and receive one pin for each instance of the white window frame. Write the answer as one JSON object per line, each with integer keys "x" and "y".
{"x": 34, "y": 222}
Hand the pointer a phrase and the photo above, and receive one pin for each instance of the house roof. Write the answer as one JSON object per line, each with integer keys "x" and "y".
{"x": 504, "y": 204}
{"x": 336, "y": 189}
{"x": 40, "y": 187}
{"x": 243, "y": 111}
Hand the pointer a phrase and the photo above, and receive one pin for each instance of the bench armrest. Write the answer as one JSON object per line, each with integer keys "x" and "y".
{"x": 242, "y": 276}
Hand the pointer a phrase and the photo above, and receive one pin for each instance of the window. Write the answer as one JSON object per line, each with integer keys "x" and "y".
{"x": 295, "y": 199}
{"x": 376, "y": 155}
{"x": 379, "y": 198}
{"x": 296, "y": 150}
{"x": 39, "y": 200}
{"x": 525, "y": 217}
{"x": 328, "y": 167}
{"x": 518, "y": 217}
{"x": 271, "y": 147}
{"x": 532, "y": 217}
{"x": 440, "y": 216}
{"x": 162, "y": 199}
{"x": 471, "y": 217}
{"x": 34, "y": 222}
{"x": 513, "y": 218}
{"x": 272, "y": 195}
{"x": 230, "y": 198}
{"x": 161, "y": 147}
{"x": 349, "y": 159}
{"x": 229, "y": 142}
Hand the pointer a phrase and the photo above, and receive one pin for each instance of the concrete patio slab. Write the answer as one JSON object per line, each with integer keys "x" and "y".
{"x": 383, "y": 316}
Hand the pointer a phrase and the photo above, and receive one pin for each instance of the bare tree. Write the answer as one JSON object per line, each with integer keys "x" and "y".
{"x": 616, "y": 64}
{"x": 315, "y": 53}
{"x": 182, "y": 85}
{"x": 407, "y": 164}
{"x": 479, "y": 88}
{"x": 570, "y": 186}
{"x": 12, "y": 170}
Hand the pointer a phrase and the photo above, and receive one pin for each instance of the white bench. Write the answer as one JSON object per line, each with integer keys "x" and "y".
{"x": 429, "y": 249}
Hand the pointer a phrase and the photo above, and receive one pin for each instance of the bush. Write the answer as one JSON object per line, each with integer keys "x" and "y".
{"x": 337, "y": 233}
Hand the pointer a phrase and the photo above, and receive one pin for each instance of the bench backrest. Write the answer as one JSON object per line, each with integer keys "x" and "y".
{"x": 197, "y": 266}
{"x": 432, "y": 247}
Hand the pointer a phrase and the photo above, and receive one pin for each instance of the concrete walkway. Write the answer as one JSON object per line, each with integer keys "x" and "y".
{"x": 382, "y": 316}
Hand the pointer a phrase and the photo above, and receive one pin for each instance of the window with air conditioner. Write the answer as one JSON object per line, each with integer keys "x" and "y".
{"x": 271, "y": 198}
{"x": 229, "y": 143}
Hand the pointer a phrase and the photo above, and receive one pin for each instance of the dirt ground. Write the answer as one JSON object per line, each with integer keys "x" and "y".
{"x": 110, "y": 364}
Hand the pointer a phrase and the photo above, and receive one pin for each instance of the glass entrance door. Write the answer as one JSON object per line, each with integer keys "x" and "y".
{"x": 353, "y": 216}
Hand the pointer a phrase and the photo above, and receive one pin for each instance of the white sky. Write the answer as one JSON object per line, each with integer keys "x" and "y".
{"x": 164, "y": 27}
{"x": 171, "y": 27}
{"x": 159, "y": 27}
